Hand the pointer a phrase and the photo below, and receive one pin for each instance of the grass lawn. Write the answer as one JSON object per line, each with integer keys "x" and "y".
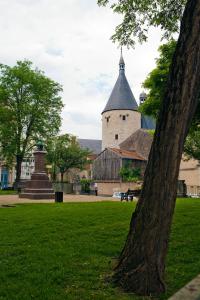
{"x": 4, "y": 192}
{"x": 64, "y": 251}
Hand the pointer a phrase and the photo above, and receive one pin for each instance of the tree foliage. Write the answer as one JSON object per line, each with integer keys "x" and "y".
{"x": 141, "y": 264}
{"x": 64, "y": 153}
{"x": 140, "y": 15}
{"x": 30, "y": 107}
{"x": 192, "y": 144}
{"x": 156, "y": 81}
{"x": 156, "y": 84}
{"x": 130, "y": 174}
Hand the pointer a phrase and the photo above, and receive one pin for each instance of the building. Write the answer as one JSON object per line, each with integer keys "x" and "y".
{"x": 140, "y": 142}
{"x": 28, "y": 166}
{"x": 106, "y": 167}
{"x": 111, "y": 160}
{"x": 120, "y": 117}
{"x": 94, "y": 146}
{"x": 124, "y": 137}
{"x": 190, "y": 173}
{"x": 125, "y": 129}
{"x": 7, "y": 174}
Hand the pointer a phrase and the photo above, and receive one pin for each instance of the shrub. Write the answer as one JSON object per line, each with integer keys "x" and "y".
{"x": 85, "y": 185}
{"x": 129, "y": 174}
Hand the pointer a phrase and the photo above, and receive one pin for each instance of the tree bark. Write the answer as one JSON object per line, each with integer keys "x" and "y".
{"x": 62, "y": 175}
{"x": 19, "y": 160}
{"x": 141, "y": 265}
{"x": 54, "y": 173}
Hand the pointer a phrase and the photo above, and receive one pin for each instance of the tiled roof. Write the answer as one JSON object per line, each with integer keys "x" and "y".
{"x": 93, "y": 145}
{"x": 127, "y": 154}
{"x": 140, "y": 141}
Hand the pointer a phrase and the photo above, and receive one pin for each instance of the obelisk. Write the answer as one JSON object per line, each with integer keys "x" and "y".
{"x": 39, "y": 187}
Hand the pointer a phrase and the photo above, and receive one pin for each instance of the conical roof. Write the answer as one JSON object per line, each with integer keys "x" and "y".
{"x": 121, "y": 97}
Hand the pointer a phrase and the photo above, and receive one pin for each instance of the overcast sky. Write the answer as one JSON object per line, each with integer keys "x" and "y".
{"x": 70, "y": 41}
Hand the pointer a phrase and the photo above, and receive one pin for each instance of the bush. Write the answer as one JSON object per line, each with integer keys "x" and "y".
{"x": 129, "y": 174}
{"x": 85, "y": 185}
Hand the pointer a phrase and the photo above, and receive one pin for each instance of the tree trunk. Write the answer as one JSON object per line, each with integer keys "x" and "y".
{"x": 19, "y": 160}
{"x": 62, "y": 174}
{"x": 141, "y": 264}
{"x": 54, "y": 173}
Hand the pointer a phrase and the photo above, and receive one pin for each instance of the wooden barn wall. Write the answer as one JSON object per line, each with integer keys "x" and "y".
{"x": 106, "y": 166}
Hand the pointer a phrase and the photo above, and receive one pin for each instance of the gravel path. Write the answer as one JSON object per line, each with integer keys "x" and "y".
{"x": 14, "y": 199}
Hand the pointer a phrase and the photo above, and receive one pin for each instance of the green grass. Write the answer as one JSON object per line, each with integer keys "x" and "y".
{"x": 64, "y": 251}
{"x": 4, "y": 192}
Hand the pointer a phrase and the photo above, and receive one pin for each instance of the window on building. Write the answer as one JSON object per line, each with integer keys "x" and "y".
{"x": 123, "y": 118}
{"x": 116, "y": 136}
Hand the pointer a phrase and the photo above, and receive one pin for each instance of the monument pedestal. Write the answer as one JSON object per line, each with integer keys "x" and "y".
{"x": 39, "y": 187}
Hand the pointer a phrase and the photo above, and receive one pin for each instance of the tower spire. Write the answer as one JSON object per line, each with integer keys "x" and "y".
{"x": 121, "y": 97}
{"x": 121, "y": 62}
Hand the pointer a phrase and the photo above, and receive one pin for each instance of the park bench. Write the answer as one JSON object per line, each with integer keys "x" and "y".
{"x": 130, "y": 194}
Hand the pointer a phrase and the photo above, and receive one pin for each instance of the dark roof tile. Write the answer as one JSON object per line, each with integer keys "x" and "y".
{"x": 93, "y": 145}
{"x": 140, "y": 141}
{"x": 121, "y": 97}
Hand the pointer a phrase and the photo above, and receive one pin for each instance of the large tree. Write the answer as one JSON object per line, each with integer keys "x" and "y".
{"x": 156, "y": 80}
{"x": 64, "y": 153}
{"x": 30, "y": 107}
{"x": 156, "y": 83}
{"x": 141, "y": 264}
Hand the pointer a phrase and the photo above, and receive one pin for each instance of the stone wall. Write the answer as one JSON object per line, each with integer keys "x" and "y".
{"x": 190, "y": 172}
{"x": 108, "y": 188}
{"x": 116, "y": 125}
{"x": 67, "y": 188}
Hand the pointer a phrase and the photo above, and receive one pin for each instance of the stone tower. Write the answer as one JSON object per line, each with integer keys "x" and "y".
{"x": 143, "y": 97}
{"x": 120, "y": 117}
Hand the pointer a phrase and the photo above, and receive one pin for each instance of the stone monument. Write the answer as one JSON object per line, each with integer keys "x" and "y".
{"x": 39, "y": 187}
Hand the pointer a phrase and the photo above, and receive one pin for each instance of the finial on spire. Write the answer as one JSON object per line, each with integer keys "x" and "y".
{"x": 121, "y": 62}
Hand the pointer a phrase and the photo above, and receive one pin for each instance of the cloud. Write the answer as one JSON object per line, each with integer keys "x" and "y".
{"x": 70, "y": 41}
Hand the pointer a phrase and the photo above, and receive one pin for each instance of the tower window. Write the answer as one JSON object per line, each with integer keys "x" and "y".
{"x": 116, "y": 136}
{"x": 123, "y": 118}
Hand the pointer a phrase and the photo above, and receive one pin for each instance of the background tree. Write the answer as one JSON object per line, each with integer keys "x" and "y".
{"x": 141, "y": 264}
{"x": 30, "y": 108}
{"x": 156, "y": 83}
{"x": 64, "y": 153}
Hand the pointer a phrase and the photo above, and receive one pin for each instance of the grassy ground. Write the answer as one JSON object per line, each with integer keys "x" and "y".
{"x": 64, "y": 251}
{"x": 4, "y": 192}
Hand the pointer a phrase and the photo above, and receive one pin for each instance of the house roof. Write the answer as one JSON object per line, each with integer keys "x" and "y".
{"x": 93, "y": 145}
{"x": 147, "y": 122}
{"x": 140, "y": 141}
{"x": 127, "y": 154}
{"x": 121, "y": 97}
